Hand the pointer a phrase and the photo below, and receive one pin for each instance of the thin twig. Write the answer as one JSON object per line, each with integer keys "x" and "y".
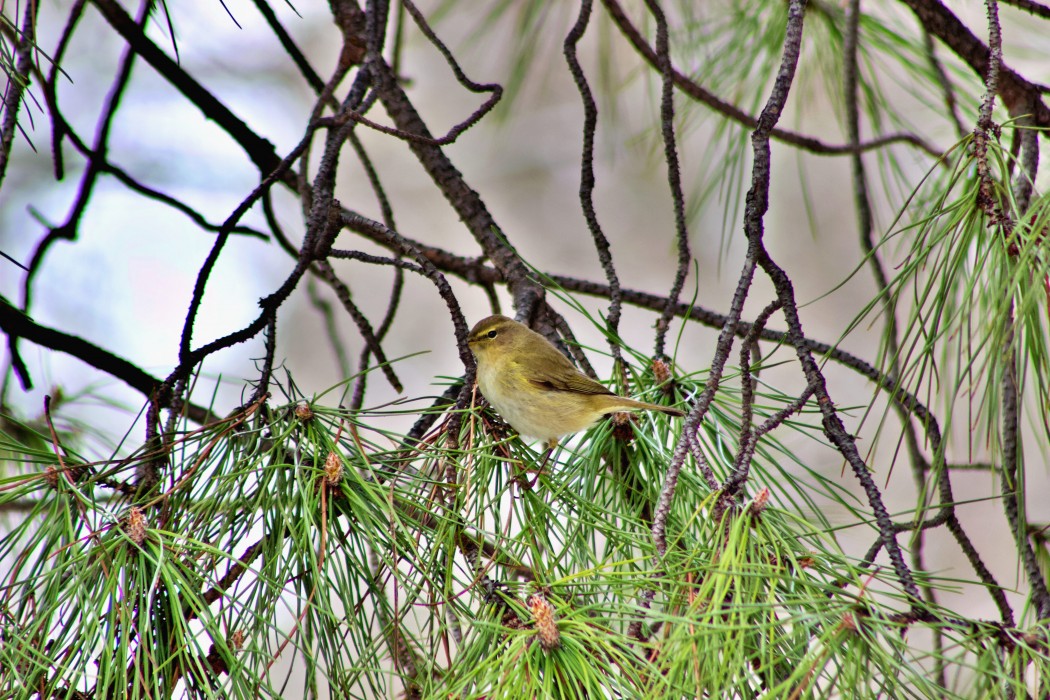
{"x": 947, "y": 89}
{"x": 748, "y": 439}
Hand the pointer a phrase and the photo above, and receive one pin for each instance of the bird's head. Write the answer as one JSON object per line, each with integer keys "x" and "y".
{"x": 495, "y": 336}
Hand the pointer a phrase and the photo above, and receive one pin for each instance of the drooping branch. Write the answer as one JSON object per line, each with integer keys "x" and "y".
{"x": 674, "y": 174}
{"x": 757, "y": 203}
{"x": 587, "y": 179}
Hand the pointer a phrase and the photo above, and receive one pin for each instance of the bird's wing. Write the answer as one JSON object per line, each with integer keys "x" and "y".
{"x": 576, "y": 384}
{"x": 559, "y": 374}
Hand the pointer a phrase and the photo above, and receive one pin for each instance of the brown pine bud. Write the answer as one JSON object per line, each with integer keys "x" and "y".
{"x": 303, "y": 411}
{"x": 135, "y": 525}
{"x": 622, "y": 429}
{"x": 661, "y": 371}
{"x": 759, "y": 503}
{"x": 544, "y": 621}
{"x": 333, "y": 469}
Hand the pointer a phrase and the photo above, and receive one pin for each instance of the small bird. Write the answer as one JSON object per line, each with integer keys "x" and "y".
{"x": 535, "y": 388}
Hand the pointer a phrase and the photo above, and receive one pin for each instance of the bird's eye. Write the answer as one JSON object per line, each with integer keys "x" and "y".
{"x": 491, "y": 334}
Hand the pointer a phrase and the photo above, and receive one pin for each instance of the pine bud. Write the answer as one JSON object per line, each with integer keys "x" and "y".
{"x": 545, "y": 623}
{"x": 622, "y": 429}
{"x": 135, "y": 525}
{"x": 333, "y": 469}
{"x": 661, "y": 371}
{"x": 759, "y": 503}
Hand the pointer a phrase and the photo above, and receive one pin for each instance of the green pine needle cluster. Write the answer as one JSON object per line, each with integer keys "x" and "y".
{"x": 297, "y": 550}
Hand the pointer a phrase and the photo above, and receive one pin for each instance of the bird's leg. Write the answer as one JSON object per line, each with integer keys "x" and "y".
{"x": 551, "y": 444}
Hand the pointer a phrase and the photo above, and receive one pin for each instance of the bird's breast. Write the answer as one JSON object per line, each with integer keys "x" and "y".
{"x": 531, "y": 409}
